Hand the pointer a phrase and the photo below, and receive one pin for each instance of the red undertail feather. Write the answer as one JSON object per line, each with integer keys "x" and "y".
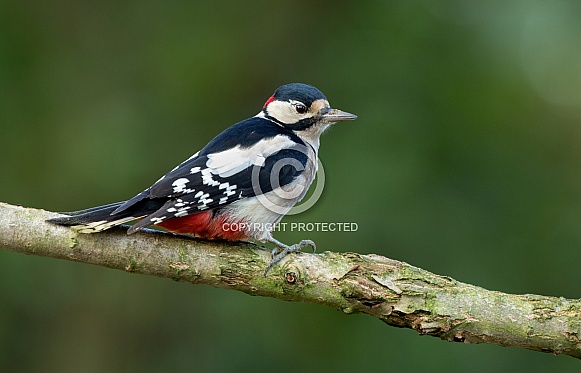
{"x": 203, "y": 225}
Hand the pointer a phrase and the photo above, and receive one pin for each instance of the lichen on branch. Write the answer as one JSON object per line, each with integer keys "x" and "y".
{"x": 395, "y": 292}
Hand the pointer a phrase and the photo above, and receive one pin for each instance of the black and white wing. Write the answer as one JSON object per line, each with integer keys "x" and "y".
{"x": 213, "y": 179}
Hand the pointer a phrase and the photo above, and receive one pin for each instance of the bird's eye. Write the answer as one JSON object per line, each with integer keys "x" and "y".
{"x": 301, "y": 109}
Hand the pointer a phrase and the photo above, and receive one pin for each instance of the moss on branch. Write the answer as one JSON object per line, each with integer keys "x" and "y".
{"x": 395, "y": 292}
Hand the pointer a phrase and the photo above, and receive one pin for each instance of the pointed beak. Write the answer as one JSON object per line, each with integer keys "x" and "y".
{"x": 335, "y": 115}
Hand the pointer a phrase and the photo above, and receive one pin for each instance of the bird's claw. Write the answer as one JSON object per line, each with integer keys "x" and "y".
{"x": 278, "y": 255}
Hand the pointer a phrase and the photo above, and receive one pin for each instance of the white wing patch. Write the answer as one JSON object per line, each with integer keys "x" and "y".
{"x": 230, "y": 189}
{"x": 229, "y": 162}
{"x": 207, "y": 177}
{"x": 179, "y": 186}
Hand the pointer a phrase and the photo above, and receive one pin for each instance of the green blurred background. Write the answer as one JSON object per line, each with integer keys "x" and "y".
{"x": 465, "y": 161}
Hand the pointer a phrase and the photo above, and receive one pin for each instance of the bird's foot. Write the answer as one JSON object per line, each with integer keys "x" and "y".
{"x": 280, "y": 252}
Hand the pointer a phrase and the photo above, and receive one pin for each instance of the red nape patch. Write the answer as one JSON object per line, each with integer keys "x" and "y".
{"x": 204, "y": 225}
{"x": 268, "y": 101}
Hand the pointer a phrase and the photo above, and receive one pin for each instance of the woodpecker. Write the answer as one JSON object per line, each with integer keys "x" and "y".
{"x": 240, "y": 185}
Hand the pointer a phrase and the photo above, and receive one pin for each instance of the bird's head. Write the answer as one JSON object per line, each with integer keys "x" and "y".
{"x": 301, "y": 107}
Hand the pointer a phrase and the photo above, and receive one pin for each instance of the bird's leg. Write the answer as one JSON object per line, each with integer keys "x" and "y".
{"x": 283, "y": 250}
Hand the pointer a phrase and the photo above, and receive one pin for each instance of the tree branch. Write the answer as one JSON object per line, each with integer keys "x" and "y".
{"x": 394, "y": 292}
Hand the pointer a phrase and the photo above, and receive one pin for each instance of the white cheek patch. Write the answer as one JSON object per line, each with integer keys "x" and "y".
{"x": 285, "y": 112}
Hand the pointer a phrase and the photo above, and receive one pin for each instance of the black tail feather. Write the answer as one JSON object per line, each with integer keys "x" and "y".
{"x": 96, "y": 219}
{"x": 89, "y": 215}
{"x": 93, "y": 209}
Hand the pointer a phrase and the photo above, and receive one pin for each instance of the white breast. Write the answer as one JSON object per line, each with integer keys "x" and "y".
{"x": 262, "y": 212}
